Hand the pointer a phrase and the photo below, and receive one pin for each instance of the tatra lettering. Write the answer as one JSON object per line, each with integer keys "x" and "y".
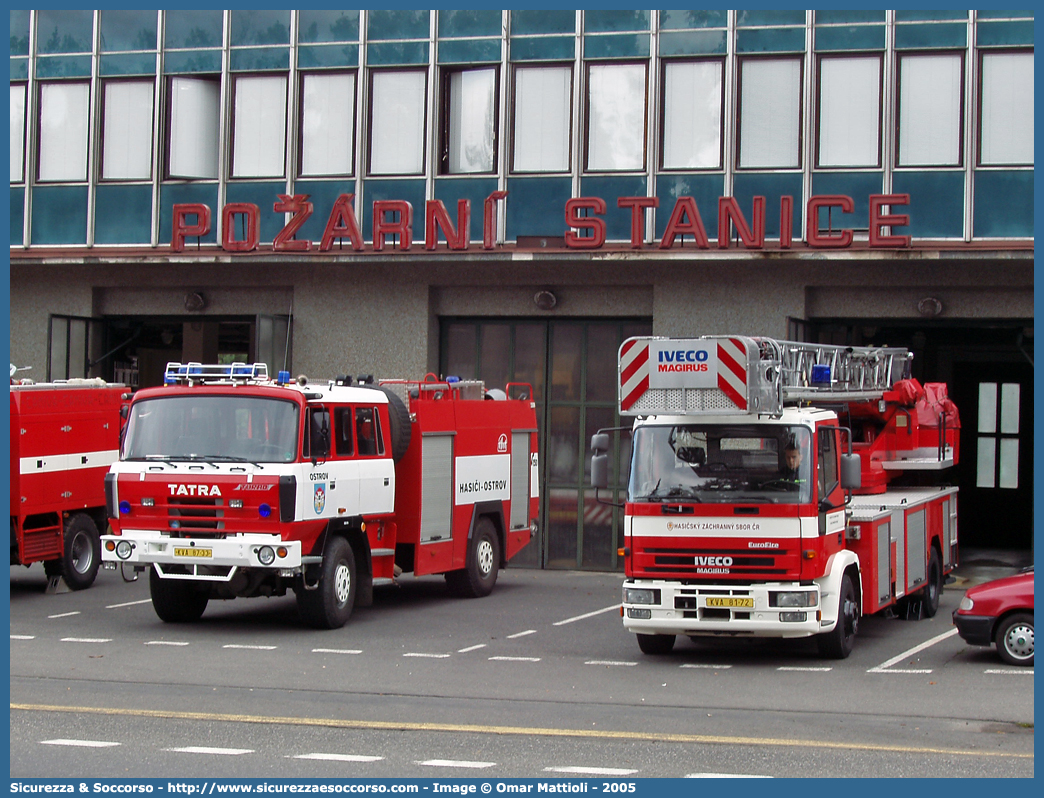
{"x": 180, "y": 489}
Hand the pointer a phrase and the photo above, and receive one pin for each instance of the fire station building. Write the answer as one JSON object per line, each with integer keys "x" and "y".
{"x": 508, "y": 195}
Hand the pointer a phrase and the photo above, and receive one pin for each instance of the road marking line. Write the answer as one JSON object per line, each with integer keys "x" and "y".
{"x": 471, "y": 648}
{"x": 166, "y": 642}
{"x": 428, "y": 656}
{"x": 251, "y": 648}
{"x": 1009, "y": 672}
{"x": 587, "y": 615}
{"x": 937, "y": 639}
{"x": 201, "y": 749}
{"x": 522, "y": 634}
{"x": 80, "y": 743}
{"x": 591, "y": 771}
{"x": 342, "y": 723}
{"x": 808, "y": 669}
{"x": 23, "y": 637}
{"x": 725, "y": 776}
{"x": 454, "y": 763}
{"x": 695, "y": 665}
{"x": 64, "y": 614}
{"x": 128, "y": 604}
{"x": 610, "y": 662}
{"x": 339, "y": 757}
{"x": 86, "y": 639}
{"x": 516, "y": 659}
{"x": 337, "y": 651}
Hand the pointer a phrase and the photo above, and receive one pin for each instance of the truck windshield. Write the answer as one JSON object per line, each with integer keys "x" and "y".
{"x": 722, "y": 464}
{"x": 216, "y": 428}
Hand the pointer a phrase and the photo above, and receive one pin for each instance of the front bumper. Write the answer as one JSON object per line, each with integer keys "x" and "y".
{"x": 976, "y": 630}
{"x": 682, "y": 610}
{"x": 201, "y": 558}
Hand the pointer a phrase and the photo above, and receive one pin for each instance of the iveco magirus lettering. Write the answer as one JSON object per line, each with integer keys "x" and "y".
{"x": 233, "y": 484}
{"x": 779, "y": 489}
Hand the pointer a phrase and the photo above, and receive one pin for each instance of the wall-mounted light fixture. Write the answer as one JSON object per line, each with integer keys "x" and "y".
{"x": 929, "y": 307}
{"x": 545, "y": 300}
{"x": 195, "y": 301}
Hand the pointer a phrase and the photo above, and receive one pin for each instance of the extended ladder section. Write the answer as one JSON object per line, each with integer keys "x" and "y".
{"x": 717, "y": 375}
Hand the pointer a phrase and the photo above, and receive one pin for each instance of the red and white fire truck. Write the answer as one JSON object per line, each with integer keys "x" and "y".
{"x": 233, "y": 484}
{"x": 64, "y": 437}
{"x": 780, "y": 489}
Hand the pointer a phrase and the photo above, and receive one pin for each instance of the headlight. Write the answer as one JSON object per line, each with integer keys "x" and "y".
{"x": 966, "y": 604}
{"x": 797, "y": 598}
{"x": 266, "y": 555}
{"x": 124, "y": 549}
{"x": 637, "y": 596}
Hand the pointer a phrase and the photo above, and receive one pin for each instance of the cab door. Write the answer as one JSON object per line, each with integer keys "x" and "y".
{"x": 829, "y": 496}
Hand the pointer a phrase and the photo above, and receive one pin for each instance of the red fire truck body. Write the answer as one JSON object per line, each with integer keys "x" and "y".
{"x": 740, "y": 518}
{"x": 64, "y": 437}
{"x": 231, "y": 484}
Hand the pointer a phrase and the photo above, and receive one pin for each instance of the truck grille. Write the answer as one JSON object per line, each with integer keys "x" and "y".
{"x": 715, "y": 564}
{"x": 195, "y": 515}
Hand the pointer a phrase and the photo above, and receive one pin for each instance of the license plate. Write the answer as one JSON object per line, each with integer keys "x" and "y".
{"x": 193, "y": 552}
{"x": 731, "y": 602}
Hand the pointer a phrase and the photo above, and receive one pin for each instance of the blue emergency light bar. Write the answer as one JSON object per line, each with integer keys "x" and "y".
{"x": 209, "y": 372}
{"x": 821, "y": 376}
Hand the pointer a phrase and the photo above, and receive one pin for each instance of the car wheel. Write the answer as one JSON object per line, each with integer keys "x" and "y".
{"x": 837, "y": 643}
{"x": 1014, "y": 639}
{"x": 177, "y": 600}
{"x": 656, "y": 644}
{"x": 933, "y": 590}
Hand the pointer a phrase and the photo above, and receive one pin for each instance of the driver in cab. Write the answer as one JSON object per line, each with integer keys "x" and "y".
{"x": 792, "y": 459}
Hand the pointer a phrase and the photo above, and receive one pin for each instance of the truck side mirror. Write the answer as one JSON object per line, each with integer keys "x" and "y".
{"x": 600, "y": 442}
{"x": 600, "y": 468}
{"x": 851, "y": 472}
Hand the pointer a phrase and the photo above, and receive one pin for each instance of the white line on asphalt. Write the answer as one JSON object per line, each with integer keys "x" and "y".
{"x": 427, "y": 656}
{"x": 724, "y": 776}
{"x": 591, "y": 771}
{"x": 23, "y": 637}
{"x": 200, "y": 749}
{"x": 910, "y": 652}
{"x": 516, "y": 659}
{"x": 337, "y": 651}
{"x": 339, "y": 757}
{"x": 166, "y": 642}
{"x": 80, "y": 743}
{"x": 700, "y": 665}
{"x": 454, "y": 763}
{"x": 522, "y": 634}
{"x": 900, "y": 670}
{"x": 1009, "y": 672}
{"x": 587, "y": 615}
{"x": 86, "y": 639}
{"x": 610, "y": 662}
{"x": 251, "y": 648}
{"x": 63, "y": 614}
{"x": 471, "y": 648}
{"x": 795, "y": 668}
{"x": 128, "y": 604}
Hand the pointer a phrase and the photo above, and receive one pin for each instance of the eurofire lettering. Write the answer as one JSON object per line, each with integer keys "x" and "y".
{"x": 585, "y": 229}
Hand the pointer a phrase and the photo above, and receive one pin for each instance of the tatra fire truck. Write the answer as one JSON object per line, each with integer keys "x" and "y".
{"x": 780, "y": 489}
{"x": 231, "y": 484}
{"x": 64, "y": 437}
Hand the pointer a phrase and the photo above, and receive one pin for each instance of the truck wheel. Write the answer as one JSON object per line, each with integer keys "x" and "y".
{"x": 82, "y": 555}
{"x": 330, "y": 605}
{"x": 656, "y": 644}
{"x": 401, "y": 426}
{"x": 1015, "y": 639}
{"x": 177, "y": 601}
{"x": 837, "y": 644}
{"x": 933, "y": 590}
{"x": 480, "y": 574}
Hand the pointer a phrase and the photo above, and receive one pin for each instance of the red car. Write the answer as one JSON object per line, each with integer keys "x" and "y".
{"x": 1000, "y": 612}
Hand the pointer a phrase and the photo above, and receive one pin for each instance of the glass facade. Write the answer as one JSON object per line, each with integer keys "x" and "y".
{"x": 116, "y": 115}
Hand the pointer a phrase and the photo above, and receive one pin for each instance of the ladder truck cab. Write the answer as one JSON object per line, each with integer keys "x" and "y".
{"x": 64, "y": 437}
{"x": 231, "y": 484}
{"x": 779, "y": 489}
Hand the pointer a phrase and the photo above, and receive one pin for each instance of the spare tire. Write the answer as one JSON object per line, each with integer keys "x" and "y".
{"x": 401, "y": 426}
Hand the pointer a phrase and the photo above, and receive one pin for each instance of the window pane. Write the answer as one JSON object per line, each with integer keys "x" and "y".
{"x": 64, "y": 109}
{"x": 1007, "y": 108}
{"x": 930, "y": 110}
{"x": 770, "y": 113}
{"x": 194, "y": 106}
{"x": 986, "y": 463}
{"x": 692, "y": 115}
{"x": 397, "y": 125}
{"x": 542, "y": 114}
{"x": 1009, "y": 463}
{"x": 127, "y": 135}
{"x": 1009, "y": 408}
{"x": 328, "y": 125}
{"x": 496, "y": 355}
{"x": 259, "y": 138}
{"x": 616, "y": 122}
{"x": 849, "y": 111}
{"x": 471, "y": 113}
{"x": 987, "y": 407}
{"x": 17, "y": 132}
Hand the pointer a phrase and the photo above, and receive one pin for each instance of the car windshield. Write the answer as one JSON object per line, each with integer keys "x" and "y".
{"x": 721, "y": 464}
{"x": 219, "y": 428}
